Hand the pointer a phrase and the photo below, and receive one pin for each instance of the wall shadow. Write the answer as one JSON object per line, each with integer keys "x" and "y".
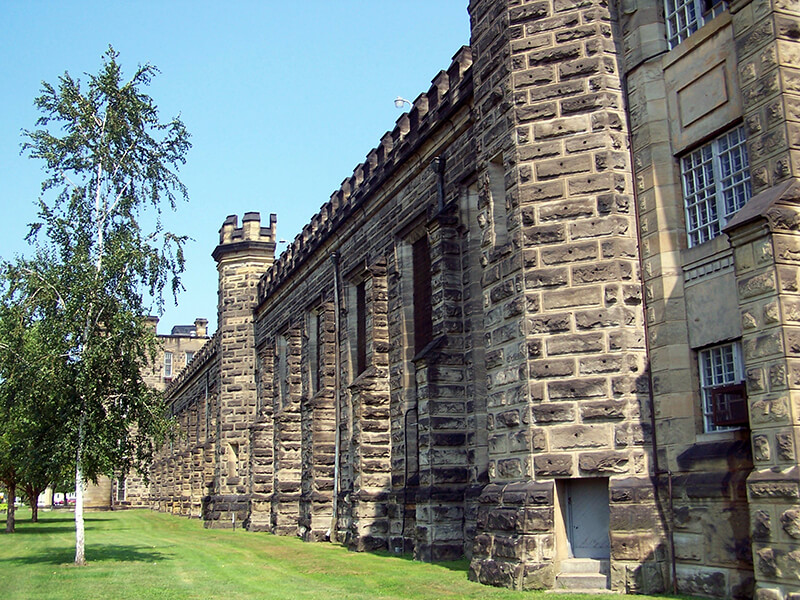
{"x": 461, "y": 565}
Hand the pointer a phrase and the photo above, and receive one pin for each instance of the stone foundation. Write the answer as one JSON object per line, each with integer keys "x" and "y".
{"x": 226, "y": 511}
{"x": 515, "y": 536}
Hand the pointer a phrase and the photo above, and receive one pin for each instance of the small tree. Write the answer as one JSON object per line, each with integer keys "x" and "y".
{"x": 9, "y": 479}
{"x": 14, "y": 383}
{"x": 26, "y": 424}
{"x": 101, "y": 257}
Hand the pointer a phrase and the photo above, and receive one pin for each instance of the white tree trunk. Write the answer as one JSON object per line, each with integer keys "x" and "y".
{"x": 80, "y": 544}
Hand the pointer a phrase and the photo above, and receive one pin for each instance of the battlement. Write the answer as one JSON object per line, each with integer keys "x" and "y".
{"x": 198, "y": 365}
{"x": 449, "y": 89}
{"x": 250, "y": 231}
{"x": 251, "y": 235}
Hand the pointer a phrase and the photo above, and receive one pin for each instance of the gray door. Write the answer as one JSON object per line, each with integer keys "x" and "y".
{"x": 587, "y": 518}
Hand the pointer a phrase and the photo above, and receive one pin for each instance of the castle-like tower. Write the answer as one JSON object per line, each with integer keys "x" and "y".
{"x": 243, "y": 255}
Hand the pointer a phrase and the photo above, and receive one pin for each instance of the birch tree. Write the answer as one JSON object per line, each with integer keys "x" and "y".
{"x": 103, "y": 260}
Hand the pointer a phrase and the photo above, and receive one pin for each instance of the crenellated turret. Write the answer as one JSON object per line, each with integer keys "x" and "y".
{"x": 251, "y": 237}
{"x": 243, "y": 255}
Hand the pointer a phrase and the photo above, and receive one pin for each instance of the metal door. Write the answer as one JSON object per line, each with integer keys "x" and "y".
{"x": 587, "y": 518}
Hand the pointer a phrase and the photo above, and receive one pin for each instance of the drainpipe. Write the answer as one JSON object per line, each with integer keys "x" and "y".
{"x": 336, "y": 402}
{"x": 207, "y": 408}
{"x": 438, "y": 166}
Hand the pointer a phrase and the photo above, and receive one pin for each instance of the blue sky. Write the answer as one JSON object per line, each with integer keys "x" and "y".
{"x": 283, "y": 100}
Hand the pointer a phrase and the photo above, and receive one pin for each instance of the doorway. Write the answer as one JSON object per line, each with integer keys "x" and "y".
{"x": 586, "y": 517}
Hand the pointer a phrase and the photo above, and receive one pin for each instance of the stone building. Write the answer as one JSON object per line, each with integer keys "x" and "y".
{"x": 551, "y": 323}
{"x": 176, "y": 350}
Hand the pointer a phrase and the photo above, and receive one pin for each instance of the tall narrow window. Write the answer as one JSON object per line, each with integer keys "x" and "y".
{"x": 361, "y": 327}
{"x": 722, "y": 382}
{"x": 233, "y": 460}
{"x": 207, "y": 409}
{"x": 319, "y": 347}
{"x": 189, "y": 356}
{"x": 259, "y": 382}
{"x": 716, "y": 184}
{"x": 167, "y": 364}
{"x": 315, "y": 349}
{"x": 423, "y": 319}
{"x": 282, "y": 370}
{"x": 497, "y": 191}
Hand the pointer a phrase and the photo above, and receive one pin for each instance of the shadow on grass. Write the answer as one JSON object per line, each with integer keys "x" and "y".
{"x": 95, "y": 553}
{"x": 461, "y": 565}
{"x": 35, "y": 529}
{"x": 47, "y": 525}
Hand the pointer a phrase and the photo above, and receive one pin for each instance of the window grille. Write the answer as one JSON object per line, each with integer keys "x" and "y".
{"x": 167, "y": 365}
{"x": 716, "y": 184}
{"x": 684, "y": 17}
{"x": 121, "y": 489}
{"x": 723, "y": 391}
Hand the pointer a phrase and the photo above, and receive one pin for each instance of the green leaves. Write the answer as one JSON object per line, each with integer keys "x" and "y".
{"x": 102, "y": 261}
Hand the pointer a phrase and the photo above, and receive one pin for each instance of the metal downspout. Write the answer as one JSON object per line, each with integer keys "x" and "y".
{"x": 332, "y": 535}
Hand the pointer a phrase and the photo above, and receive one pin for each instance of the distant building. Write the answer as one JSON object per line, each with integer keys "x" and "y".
{"x": 176, "y": 351}
{"x": 551, "y": 323}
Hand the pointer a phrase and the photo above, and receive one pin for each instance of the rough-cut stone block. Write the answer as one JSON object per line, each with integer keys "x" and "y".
{"x": 553, "y": 465}
{"x": 577, "y": 389}
{"x": 603, "y": 462}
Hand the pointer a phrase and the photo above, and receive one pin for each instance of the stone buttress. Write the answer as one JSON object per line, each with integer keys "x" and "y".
{"x": 565, "y": 354}
{"x": 765, "y": 236}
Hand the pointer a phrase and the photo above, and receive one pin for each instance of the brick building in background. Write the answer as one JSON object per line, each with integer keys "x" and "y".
{"x": 551, "y": 323}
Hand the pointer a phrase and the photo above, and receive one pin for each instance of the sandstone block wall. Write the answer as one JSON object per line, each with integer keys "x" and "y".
{"x": 183, "y": 473}
{"x": 730, "y": 72}
{"x": 537, "y": 187}
{"x": 764, "y": 236}
{"x": 567, "y": 391}
{"x": 242, "y": 255}
{"x": 405, "y": 462}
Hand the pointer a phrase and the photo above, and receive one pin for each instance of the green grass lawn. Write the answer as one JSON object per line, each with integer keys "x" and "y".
{"x": 140, "y": 554}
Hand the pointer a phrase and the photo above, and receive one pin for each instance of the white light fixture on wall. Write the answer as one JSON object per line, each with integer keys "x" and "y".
{"x": 399, "y": 102}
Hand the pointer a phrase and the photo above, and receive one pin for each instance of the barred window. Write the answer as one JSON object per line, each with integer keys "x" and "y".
{"x": 361, "y": 328}
{"x": 684, "y": 17}
{"x": 121, "y": 488}
{"x": 716, "y": 184}
{"x": 721, "y": 380}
